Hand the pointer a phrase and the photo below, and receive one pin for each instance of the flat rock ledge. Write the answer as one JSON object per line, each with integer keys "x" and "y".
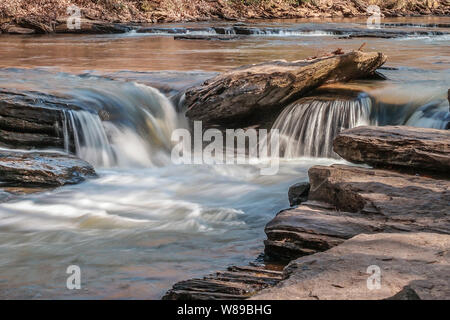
{"x": 412, "y": 266}
{"x": 259, "y": 89}
{"x": 28, "y": 169}
{"x": 237, "y": 283}
{"x": 355, "y": 218}
{"x": 410, "y": 148}
{"x": 345, "y": 201}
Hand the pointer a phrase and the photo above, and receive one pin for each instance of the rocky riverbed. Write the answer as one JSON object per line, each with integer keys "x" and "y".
{"x": 356, "y": 217}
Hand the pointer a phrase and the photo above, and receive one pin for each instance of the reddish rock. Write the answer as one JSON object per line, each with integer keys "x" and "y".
{"x": 414, "y": 149}
{"x": 418, "y": 261}
{"x": 42, "y": 169}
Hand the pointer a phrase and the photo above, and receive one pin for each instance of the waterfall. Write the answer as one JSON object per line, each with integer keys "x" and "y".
{"x": 89, "y": 137}
{"x": 307, "y": 127}
{"x": 135, "y": 130}
{"x": 435, "y": 114}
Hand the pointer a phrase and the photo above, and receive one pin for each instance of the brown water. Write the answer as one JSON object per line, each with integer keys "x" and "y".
{"x": 150, "y": 53}
{"x": 142, "y": 226}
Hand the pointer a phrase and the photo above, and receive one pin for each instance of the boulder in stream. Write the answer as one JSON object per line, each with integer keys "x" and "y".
{"x": 298, "y": 193}
{"x": 24, "y": 169}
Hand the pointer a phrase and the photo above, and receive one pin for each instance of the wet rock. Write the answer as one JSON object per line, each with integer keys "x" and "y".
{"x": 22, "y": 169}
{"x": 236, "y": 283}
{"x": 417, "y": 260}
{"x": 298, "y": 193}
{"x": 345, "y": 201}
{"x": 415, "y": 149}
{"x": 223, "y": 30}
{"x": 32, "y": 120}
{"x": 263, "y": 88}
{"x": 244, "y": 30}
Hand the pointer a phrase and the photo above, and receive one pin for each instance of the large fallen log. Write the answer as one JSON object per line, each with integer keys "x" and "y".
{"x": 268, "y": 87}
{"x": 416, "y": 149}
{"x": 414, "y": 263}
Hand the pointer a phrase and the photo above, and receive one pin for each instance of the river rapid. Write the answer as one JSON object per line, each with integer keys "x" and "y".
{"x": 145, "y": 222}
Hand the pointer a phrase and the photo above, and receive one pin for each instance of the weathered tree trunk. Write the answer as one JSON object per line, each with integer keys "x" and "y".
{"x": 267, "y": 87}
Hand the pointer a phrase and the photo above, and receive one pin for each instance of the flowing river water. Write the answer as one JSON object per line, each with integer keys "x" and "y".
{"x": 146, "y": 223}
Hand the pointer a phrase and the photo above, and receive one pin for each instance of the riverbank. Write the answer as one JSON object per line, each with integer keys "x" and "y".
{"x": 25, "y": 17}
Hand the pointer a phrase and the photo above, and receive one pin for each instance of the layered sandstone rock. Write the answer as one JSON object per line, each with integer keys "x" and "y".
{"x": 411, "y": 265}
{"x": 416, "y": 149}
{"x": 345, "y": 201}
{"x": 30, "y": 121}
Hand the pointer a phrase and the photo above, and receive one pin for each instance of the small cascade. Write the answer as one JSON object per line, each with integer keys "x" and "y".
{"x": 415, "y": 105}
{"x": 89, "y": 137}
{"x": 307, "y": 127}
{"x": 135, "y": 130}
{"x": 431, "y": 115}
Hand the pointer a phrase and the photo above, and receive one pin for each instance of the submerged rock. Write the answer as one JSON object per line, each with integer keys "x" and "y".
{"x": 267, "y": 87}
{"x": 345, "y": 201}
{"x": 416, "y": 149}
{"x": 22, "y": 169}
{"x": 417, "y": 260}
